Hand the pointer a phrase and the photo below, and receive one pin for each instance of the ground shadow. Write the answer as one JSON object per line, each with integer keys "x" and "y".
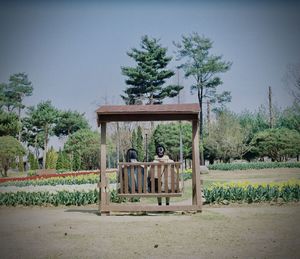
{"x": 96, "y": 212}
{"x": 90, "y": 211}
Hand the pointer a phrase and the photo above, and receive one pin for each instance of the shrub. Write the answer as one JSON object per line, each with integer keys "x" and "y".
{"x": 253, "y": 165}
{"x": 51, "y": 159}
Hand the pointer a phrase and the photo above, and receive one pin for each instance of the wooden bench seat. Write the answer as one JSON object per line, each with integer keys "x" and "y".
{"x": 150, "y": 179}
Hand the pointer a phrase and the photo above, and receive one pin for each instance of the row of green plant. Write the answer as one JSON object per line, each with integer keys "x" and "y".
{"x": 246, "y": 192}
{"x": 68, "y": 180}
{"x": 232, "y": 192}
{"x": 253, "y": 165}
{"x": 66, "y": 198}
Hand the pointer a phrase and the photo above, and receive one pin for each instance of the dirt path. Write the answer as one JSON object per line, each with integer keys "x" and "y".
{"x": 260, "y": 231}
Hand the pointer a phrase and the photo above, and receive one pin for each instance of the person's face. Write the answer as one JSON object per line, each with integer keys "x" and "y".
{"x": 160, "y": 151}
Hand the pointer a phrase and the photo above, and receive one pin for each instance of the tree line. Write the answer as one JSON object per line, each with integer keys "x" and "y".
{"x": 229, "y": 136}
{"x": 29, "y": 133}
{"x": 225, "y": 137}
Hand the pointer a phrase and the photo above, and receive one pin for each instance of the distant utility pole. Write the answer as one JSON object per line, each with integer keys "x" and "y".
{"x": 208, "y": 116}
{"x": 118, "y": 143}
{"x": 270, "y": 108}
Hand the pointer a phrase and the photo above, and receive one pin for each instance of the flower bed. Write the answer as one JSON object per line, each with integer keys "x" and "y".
{"x": 65, "y": 180}
{"x": 231, "y": 192}
{"x": 61, "y": 175}
{"x": 246, "y": 192}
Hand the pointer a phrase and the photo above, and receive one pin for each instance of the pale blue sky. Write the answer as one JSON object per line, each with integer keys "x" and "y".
{"x": 73, "y": 50}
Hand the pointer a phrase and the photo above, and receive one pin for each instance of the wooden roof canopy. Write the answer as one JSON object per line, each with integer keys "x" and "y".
{"x": 169, "y": 112}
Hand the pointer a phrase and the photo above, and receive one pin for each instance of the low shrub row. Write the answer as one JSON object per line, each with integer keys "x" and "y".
{"x": 233, "y": 192}
{"x": 253, "y": 165}
{"x": 67, "y": 198}
{"x": 245, "y": 192}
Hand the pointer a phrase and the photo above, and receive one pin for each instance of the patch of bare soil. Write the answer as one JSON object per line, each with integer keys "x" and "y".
{"x": 252, "y": 231}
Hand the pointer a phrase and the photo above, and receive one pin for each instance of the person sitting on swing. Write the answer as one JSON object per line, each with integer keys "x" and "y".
{"x": 131, "y": 157}
{"x": 162, "y": 158}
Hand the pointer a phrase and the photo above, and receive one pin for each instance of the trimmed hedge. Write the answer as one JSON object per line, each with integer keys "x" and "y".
{"x": 253, "y": 165}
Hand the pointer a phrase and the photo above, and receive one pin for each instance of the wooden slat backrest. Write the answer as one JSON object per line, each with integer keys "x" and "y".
{"x": 159, "y": 178}
{"x": 140, "y": 187}
{"x": 132, "y": 179}
{"x": 177, "y": 178}
{"x": 152, "y": 179}
{"x": 125, "y": 179}
{"x": 172, "y": 179}
{"x": 145, "y": 179}
{"x": 165, "y": 175}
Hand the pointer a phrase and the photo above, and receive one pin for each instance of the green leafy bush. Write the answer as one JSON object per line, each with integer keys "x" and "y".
{"x": 31, "y": 173}
{"x": 256, "y": 165}
{"x": 67, "y": 198}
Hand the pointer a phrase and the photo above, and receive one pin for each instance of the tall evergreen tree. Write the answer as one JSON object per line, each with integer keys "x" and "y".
{"x": 43, "y": 118}
{"x": 63, "y": 161}
{"x": 133, "y": 139}
{"x": 146, "y": 80}
{"x": 69, "y": 122}
{"x": 9, "y": 124}
{"x": 139, "y": 144}
{"x": 204, "y": 68}
{"x": 51, "y": 159}
{"x": 13, "y": 93}
{"x": 33, "y": 162}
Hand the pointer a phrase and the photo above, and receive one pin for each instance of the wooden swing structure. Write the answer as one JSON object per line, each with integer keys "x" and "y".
{"x": 133, "y": 178}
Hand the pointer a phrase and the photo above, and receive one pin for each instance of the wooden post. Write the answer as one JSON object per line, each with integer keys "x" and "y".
{"x": 103, "y": 187}
{"x": 196, "y": 184}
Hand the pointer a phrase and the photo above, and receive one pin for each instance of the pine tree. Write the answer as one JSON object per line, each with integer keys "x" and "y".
{"x": 51, "y": 159}
{"x": 20, "y": 164}
{"x": 134, "y": 140}
{"x": 59, "y": 163}
{"x": 151, "y": 148}
{"x": 76, "y": 162}
{"x": 33, "y": 162}
{"x": 146, "y": 80}
{"x": 63, "y": 161}
{"x": 204, "y": 68}
{"x": 139, "y": 144}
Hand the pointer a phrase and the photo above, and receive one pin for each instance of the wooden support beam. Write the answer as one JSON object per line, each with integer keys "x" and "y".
{"x": 196, "y": 184}
{"x": 104, "y": 200}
